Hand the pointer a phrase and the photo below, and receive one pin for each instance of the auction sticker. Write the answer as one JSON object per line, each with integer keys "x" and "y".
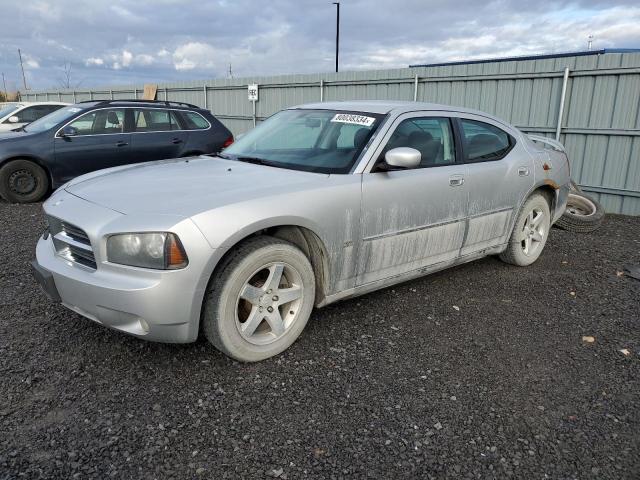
{"x": 353, "y": 119}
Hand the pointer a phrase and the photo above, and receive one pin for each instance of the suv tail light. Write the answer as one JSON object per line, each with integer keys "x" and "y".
{"x": 228, "y": 141}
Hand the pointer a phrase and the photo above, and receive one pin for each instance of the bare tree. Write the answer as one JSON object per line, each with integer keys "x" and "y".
{"x": 66, "y": 80}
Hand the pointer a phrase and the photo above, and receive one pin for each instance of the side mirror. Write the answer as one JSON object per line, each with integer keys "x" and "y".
{"x": 13, "y": 119}
{"x": 69, "y": 131}
{"x": 403, "y": 157}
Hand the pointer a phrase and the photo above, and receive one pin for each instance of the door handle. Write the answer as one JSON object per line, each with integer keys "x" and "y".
{"x": 523, "y": 171}
{"x": 176, "y": 140}
{"x": 456, "y": 180}
{"x": 121, "y": 144}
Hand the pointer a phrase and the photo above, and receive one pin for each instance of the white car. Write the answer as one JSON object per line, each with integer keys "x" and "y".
{"x": 18, "y": 114}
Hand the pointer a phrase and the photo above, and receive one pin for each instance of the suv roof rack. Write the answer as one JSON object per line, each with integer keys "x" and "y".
{"x": 137, "y": 100}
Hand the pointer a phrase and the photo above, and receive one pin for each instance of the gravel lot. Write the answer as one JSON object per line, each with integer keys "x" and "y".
{"x": 476, "y": 372}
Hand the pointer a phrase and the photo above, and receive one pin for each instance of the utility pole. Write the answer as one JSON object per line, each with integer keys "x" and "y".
{"x": 337, "y": 4}
{"x": 24, "y": 79}
{"x": 4, "y": 87}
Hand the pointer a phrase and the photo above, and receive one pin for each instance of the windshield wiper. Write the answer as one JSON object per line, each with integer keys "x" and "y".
{"x": 254, "y": 160}
{"x": 248, "y": 159}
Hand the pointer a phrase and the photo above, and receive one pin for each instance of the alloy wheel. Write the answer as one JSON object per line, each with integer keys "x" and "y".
{"x": 533, "y": 232}
{"x": 268, "y": 303}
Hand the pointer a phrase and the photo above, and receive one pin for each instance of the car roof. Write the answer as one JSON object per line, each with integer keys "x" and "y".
{"x": 392, "y": 106}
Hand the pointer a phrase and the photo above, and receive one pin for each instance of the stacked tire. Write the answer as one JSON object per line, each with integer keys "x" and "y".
{"x": 583, "y": 213}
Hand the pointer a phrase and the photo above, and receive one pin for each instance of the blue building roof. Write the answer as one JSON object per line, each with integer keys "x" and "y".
{"x": 532, "y": 57}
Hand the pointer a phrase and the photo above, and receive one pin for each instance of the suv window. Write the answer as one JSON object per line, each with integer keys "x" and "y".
{"x": 431, "y": 136}
{"x": 483, "y": 141}
{"x": 100, "y": 122}
{"x": 154, "y": 120}
{"x": 195, "y": 121}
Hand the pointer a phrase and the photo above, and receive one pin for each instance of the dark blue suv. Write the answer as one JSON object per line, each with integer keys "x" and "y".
{"x": 88, "y": 136}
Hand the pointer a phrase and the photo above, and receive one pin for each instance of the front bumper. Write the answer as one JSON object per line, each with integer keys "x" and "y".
{"x": 46, "y": 282}
{"x": 156, "y": 306}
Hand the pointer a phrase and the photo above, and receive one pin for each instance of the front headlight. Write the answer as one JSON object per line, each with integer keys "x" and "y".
{"x": 158, "y": 250}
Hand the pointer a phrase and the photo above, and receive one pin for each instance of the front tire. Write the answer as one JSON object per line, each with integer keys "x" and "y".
{"x": 530, "y": 232}
{"x": 260, "y": 300}
{"x": 23, "y": 181}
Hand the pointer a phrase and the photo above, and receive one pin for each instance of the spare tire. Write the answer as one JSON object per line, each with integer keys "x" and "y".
{"x": 583, "y": 213}
{"x": 574, "y": 187}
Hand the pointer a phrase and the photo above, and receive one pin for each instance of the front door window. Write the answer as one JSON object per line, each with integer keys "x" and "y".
{"x": 100, "y": 122}
{"x": 431, "y": 136}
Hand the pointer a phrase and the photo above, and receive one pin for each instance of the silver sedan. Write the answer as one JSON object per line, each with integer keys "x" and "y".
{"x": 321, "y": 202}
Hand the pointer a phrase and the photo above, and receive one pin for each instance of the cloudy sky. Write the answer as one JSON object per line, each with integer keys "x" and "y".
{"x": 107, "y": 42}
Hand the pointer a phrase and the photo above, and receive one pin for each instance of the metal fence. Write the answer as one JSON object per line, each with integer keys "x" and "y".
{"x": 597, "y": 117}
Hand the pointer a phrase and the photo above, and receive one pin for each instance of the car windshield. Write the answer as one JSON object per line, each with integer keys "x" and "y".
{"x": 325, "y": 141}
{"x": 7, "y": 109}
{"x": 53, "y": 119}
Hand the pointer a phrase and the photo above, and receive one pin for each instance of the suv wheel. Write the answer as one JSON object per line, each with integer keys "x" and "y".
{"x": 22, "y": 181}
{"x": 260, "y": 300}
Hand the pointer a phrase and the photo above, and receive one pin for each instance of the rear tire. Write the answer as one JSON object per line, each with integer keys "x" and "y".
{"x": 530, "y": 232}
{"x": 259, "y": 300}
{"x": 23, "y": 181}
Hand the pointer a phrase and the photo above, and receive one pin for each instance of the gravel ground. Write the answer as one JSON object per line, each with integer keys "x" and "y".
{"x": 476, "y": 372}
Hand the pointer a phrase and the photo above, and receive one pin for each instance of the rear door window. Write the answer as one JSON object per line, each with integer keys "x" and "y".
{"x": 154, "y": 120}
{"x": 484, "y": 142}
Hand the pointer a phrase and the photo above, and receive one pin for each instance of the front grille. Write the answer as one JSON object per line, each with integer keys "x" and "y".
{"x": 75, "y": 233}
{"x": 72, "y": 242}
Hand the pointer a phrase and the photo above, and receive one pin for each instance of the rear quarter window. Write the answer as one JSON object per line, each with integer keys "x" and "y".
{"x": 195, "y": 121}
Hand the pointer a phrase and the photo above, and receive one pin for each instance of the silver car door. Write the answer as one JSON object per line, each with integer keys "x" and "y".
{"x": 500, "y": 172}
{"x": 413, "y": 218}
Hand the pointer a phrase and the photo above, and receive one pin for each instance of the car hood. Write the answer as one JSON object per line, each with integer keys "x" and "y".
{"x": 186, "y": 187}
